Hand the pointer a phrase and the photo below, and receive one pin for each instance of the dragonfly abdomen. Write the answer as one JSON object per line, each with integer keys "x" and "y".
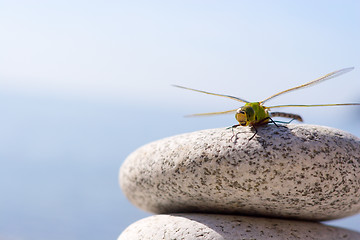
{"x": 287, "y": 115}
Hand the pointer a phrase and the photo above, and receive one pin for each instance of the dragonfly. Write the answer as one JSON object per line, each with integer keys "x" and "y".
{"x": 254, "y": 114}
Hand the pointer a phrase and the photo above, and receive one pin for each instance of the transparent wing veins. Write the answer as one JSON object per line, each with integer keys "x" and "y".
{"x": 315, "y": 105}
{"x": 210, "y": 113}
{"x": 318, "y": 80}
{"x": 215, "y": 94}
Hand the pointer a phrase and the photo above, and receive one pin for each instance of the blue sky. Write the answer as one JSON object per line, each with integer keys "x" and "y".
{"x": 84, "y": 83}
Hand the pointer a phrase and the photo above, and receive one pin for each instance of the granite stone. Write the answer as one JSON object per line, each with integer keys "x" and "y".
{"x": 292, "y": 171}
{"x": 230, "y": 227}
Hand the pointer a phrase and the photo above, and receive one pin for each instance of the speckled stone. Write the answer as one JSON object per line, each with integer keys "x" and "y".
{"x": 229, "y": 227}
{"x": 293, "y": 171}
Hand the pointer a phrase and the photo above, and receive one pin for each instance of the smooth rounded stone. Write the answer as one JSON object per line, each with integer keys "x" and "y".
{"x": 220, "y": 227}
{"x": 291, "y": 171}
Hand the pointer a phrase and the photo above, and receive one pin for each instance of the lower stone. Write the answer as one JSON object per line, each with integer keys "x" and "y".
{"x": 221, "y": 227}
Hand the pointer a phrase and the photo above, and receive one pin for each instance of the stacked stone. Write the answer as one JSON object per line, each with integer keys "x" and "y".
{"x": 212, "y": 184}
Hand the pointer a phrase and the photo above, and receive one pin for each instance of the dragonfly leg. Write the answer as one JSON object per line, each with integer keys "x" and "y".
{"x": 265, "y": 119}
{"x": 273, "y": 121}
{"x": 232, "y": 129}
{"x": 254, "y": 133}
{"x": 285, "y": 122}
{"x": 234, "y": 126}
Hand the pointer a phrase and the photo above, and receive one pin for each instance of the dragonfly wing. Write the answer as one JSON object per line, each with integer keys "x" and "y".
{"x": 215, "y": 94}
{"x": 316, "y": 105}
{"x": 211, "y": 113}
{"x": 318, "y": 80}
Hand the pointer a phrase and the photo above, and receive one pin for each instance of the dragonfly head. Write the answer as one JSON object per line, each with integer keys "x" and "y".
{"x": 245, "y": 115}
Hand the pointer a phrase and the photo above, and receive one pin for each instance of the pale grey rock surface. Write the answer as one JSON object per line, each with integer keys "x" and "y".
{"x": 293, "y": 171}
{"x": 230, "y": 227}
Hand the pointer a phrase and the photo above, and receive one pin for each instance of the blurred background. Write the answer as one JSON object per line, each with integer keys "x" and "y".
{"x": 85, "y": 83}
